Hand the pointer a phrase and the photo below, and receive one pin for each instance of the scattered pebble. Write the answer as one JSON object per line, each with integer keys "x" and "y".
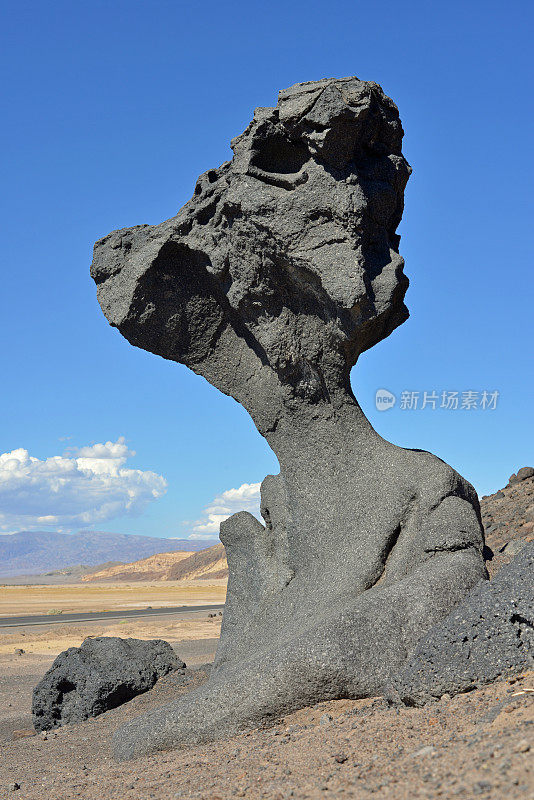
{"x": 23, "y": 733}
{"x": 428, "y": 750}
{"x": 482, "y": 787}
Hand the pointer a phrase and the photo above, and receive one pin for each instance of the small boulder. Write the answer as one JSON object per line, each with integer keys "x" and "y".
{"x": 489, "y": 634}
{"x": 102, "y": 674}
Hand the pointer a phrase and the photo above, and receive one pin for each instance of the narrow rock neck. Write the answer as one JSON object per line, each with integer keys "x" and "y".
{"x": 331, "y": 466}
{"x": 322, "y": 436}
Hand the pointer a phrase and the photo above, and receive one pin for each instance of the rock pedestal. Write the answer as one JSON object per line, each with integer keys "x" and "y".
{"x": 270, "y": 282}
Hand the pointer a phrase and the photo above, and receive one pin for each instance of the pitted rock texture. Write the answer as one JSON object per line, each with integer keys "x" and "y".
{"x": 490, "y": 634}
{"x": 273, "y": 278}
{"x": 283, "y": 267}
{"x": 103, "y": 673}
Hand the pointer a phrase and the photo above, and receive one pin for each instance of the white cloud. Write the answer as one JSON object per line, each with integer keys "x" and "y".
{"x": 246, "y": 498}
{"x": 87, "y": 486}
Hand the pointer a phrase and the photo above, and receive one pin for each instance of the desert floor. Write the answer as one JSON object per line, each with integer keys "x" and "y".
{"x": 31, "y": 599}
{"x": 476, "y": 745}
{"x": 50, "y": 640}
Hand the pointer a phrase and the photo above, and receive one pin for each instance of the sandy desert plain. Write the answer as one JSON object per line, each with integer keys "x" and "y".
{"x": 37, "y": 599}
{"x": 50, "y": 640}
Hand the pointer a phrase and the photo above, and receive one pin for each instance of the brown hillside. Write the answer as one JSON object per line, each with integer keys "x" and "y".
{"x": 206, "y": 564}
{"x": 508, "y": 518}
{"x": 153, "y": 568}
{"x": 203, "y": 565}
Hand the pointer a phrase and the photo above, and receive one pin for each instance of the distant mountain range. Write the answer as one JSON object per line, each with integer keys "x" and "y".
{"x": 34, "y": 552}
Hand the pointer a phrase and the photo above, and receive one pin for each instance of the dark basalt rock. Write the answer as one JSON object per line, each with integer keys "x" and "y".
{"x": 270, "y": 282}
{"x": 490, "y": 634}
{"x": 102, "y": 674}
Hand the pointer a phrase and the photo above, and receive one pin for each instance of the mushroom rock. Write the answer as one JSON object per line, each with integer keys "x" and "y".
{"x": 281, "y": 269}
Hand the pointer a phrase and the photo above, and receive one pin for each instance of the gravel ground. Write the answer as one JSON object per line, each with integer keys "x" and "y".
{"x": 479, "y": 745}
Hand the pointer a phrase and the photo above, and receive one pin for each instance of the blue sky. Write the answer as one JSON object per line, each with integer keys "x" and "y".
{"x": 111, "y": 111}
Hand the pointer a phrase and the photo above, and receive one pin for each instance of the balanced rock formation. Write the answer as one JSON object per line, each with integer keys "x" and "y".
{"x": 490, "y": 634}
{"x": 270, "y": 282}
{"x": 103, "y": 673}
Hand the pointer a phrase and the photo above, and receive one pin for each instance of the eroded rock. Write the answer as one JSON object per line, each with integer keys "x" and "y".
{"x": 102, "y": 674}
{"x": 270, "y": 282}
{"x": 522, "y": 475}
{"x": 489, "y": 634}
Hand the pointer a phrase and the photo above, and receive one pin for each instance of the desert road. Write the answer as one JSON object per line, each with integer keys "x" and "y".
{"x": 91, "y": 616}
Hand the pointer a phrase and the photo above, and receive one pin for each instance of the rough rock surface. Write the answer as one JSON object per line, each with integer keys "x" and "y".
{"x": 103, "y": 673}
{"x": 490, "y": 634}
{"x": 508, "y": 519}
{"x": 522, "y": 475}
{"x": 273, "y": 278}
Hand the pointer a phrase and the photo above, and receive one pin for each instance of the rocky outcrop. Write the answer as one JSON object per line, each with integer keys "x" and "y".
{"x": 103, "y": 673}
{"x": 488, "y": 635}
{"x": 270, "y": 282}
{"x": 508, "y": 519}
{"x": 522, "y": 475}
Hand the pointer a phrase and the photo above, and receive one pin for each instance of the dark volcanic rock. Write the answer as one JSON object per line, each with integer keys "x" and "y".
{"x": 489, "y": 634}
{"x": 270, "y": 282}
{"x": 103, "y": 673}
